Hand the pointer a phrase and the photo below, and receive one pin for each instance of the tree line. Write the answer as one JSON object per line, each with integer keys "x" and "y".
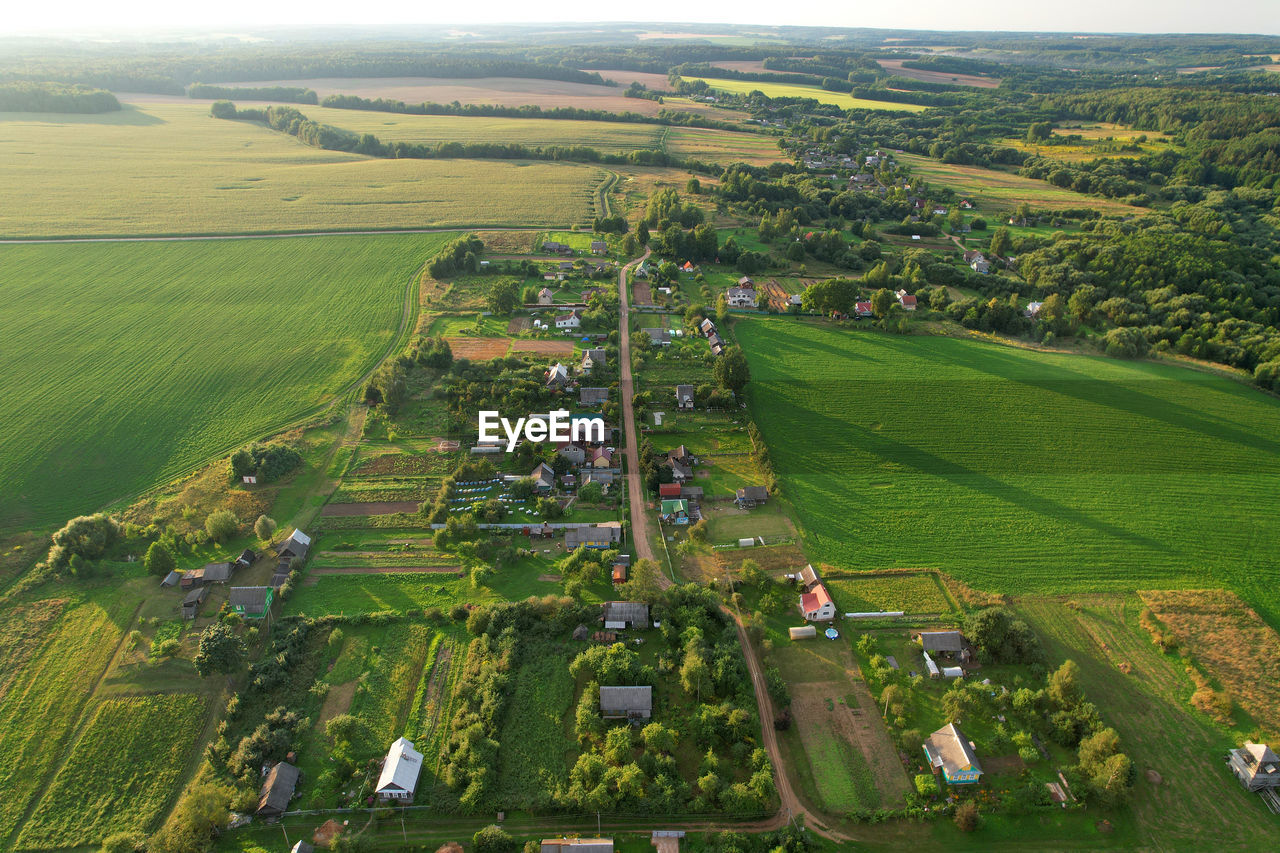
{"x": 286, "y": 94}
{"x": 24, "y": 97}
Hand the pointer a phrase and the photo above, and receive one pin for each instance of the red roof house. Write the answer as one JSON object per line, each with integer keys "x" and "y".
{"x": 816, "y": 604}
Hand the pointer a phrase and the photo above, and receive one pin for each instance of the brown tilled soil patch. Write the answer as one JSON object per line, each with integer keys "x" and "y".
{"x": 388, "y": 570}
{"x": 326, "y": 832}
{"x": 519, "y": 324}
{"x": 368, "y": 508}
{"x": 336, "y": 701}
{"x": 775, "y": 559}
{"x": 640, "y": 292}
{"x": 542, "y": 347}
{"x": 479, "y": 349}
{"x": 549, "y": 578}
{"x": 508, "y": 242}
{"x": 894, "y": 66}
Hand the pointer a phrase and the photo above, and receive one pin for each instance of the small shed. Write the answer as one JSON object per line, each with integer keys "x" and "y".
{"x": 191, "y": 604}
{"x": 805, "y": 632}
{"x": 953, "y": 672}
{"x": 170, "y": 580}
{"x": 277, "y": 790}
{"x": 626, "y": 703}
{"x": 297, "y": 545}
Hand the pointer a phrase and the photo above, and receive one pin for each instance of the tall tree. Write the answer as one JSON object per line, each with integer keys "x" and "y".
{"x": 731, "y": 371}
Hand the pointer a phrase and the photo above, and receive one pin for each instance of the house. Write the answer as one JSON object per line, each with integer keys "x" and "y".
{"x": 973, "y": 255}
{"x": 873, "y": 160}
{"x": 741, "y": 297}
{"x": 593, "y": 396}
{"x": 669, "y": 490}
{"x": 557, "y": 247}
{"x": 577, "y": 845}
{"x": 862, "y": 178}
{"x": 966, "y": 204}
{"x": 302, "y": 847}
{"x": 947, "y": 642}
{"x": 557, "y": 376}
{"x": 816, "y": 604}
{"x": 277, "y": 790}
{"x": 906, "y": 300}
{"x": 625, "y": 614}
{"x": 675, "y": 511}
{"x": 597, "y": 537}
{"x": 546, "y": 296}
{"x": 599, "y": 247}
{"x": 658, "y": 337}
{"x": 681, "y": 472}
{"x": 750, "y": 496}
{"x": 569, "y": 322}
{"x": 682, "y": 455}
{"x": 604, "y": 478}
{"x": 297, "y": 545}
{"x": 939, "y": 211}
{"x": 626, "y": 703}
{"x": 746, "y": 281}
{"x": 602, "y": 457}
{"x": 707, "y": 327}
{"x": 1033, "y": 308}
{"x": 863, "y": 309}
{"x": 251, "y": 602}
{"x": 246, "y": 558}
{"x": 1256, "y": 766}
{"x": 591, "y": 358}
{"x": 642, "y": 271}
{"x": 688, "y": 267}
{"x": 716, "y": 343}
{"x": 544, "y": 479}
{"x": 170, "y": 580}
{"x": 949, "y": 750}
{"x": 981, "y": 266}
{"x": 191, "y": 604}
{"x": 399, "y": 777}
{"x": 684, "y": 396}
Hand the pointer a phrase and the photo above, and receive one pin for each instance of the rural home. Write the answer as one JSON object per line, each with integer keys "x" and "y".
{"x": 557, "y": 376}
{"x": 625, "y": 614}
{"x": 546, "y": 296}
{"x": 981, "y": 266}
{"x": 593, "y": 396}
{"x": 707, "y": 327}
{"x": 557, "y": 247}
{"x": 191, "y": 603}
{"x": 565, "y": 266}
{"x": 626, "y": 703}
{"x": 246, "y": 558}
{"x": 949, "y": 750}
{"x": 544, "y": 479}
{"x": 688, "y": 267}
{"x": 675, "y": 511}
{"x": 602, "y": 457}
{"x": 816, "y": 604}
{"x": 399, "y": 777}
{"x": 599, "y": 247}
{"x": 906, "y": 300}
{"x": 741, "y": 297}
{"x": 973, "y": 255}
{"x": 750, "y": 496}
{"x": 684, "y": 396}
{"x": 569, "y": 322}
{"x": 716, "y": 343}
{"x": 592, "y": 358}
{"x": 946, "y": 642}
{"x": 597, "y": 537}
{"x": 277, "y": 790}
{"x": 658, "y": 337}
{"x": 1256, "y": 766}
{"x": 1033, "y": 308}
{"x": 574, "y": 453}
{"x": 577, "y": 845}
{"x": 682, "y": 455}
{"x": 251, "y": 602}
{"x": 863, "y": 309}
{"x": 604, "y": 478}
{"x": 297, "y": 545}
{"x": 681, "y": 472}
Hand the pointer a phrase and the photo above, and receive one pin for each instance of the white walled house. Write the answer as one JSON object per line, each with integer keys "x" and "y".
{"x": 399, "y": 778}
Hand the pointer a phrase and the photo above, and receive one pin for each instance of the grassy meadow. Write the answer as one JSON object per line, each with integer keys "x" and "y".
{"x": 994, "y": 190}
{"x": 1016, "y": 470}
{"x": 135, "y": 361}
{"x": 166, "y": 168}
{"x": 790, "y": 90}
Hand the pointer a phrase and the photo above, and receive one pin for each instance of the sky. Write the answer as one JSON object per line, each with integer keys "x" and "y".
{"x": 230, "y": 16}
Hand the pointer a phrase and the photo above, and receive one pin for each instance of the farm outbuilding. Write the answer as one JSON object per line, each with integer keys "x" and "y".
{"x": 297, "y": 545}
{"x": 170, "y": 580}
{"x": 684, "y": 396}
{"x": 945, "y": 642}
{"x": 399, "y": 777}
{"x": 599, "y": 536}
{"x": 246, "y": 558}
{"x": 626, "y": 614}
{"x": 806, "y": 632}
{"x": 277, "y": 790}
{"x": 1256, "y": 766}
{"x": 626, "y": 703}
{"x": 750, "y": 496}
{"x": 577, "y": 845}
{"x": 251, "y": 602}
{"x": 191, "y": 604}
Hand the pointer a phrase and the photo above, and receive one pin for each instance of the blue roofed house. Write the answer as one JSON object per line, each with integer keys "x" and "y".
{"x": 949, "y": 750}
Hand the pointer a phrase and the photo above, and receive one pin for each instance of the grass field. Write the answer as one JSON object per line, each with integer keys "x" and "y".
{"x": 913, "y": 593}
{"x": 121, "y": 773}
{"x": 789, "y": 90}
{"x": 532, "y": 761}
{"x": 1016, "y": 470}
{"x": 138, "y": 361}
{"x": 168, "y": 168}
{"x": 995, "y": 191}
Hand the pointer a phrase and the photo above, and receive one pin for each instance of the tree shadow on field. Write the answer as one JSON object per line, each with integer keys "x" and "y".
{"x": 1067, "y": 382}
{"x": 127, "y": 116}
{"x": 930, "y": 464}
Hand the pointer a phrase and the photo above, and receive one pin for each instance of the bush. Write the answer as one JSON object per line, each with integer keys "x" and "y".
{"x": 493, "y": 839}
{"x": 264, "y": 527}
{"x": 221, "y": 525}
{"x": 159, "y": 560}
{"x": 967, "y": 817}
{"x": 926, "y": 785}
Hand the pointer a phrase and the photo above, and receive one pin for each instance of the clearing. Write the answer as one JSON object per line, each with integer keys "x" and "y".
{"x": 822, "y": 96}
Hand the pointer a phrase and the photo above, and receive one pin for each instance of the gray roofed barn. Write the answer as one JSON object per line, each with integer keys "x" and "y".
{"x": 593, "y": 396}
{"x": 191, "y": 604}
{"x": 277, "y": 790}
{"x": 942, "y": 641}
{"x": 251, "y": 601}
{"x": 596, "y": 536}
{"x": 628, "y": 613}
{"x": 684, "y": 396}
{"x": 217, "y": 573}
{"x": 626, "y": 702}
{"x": 297, "y": 545}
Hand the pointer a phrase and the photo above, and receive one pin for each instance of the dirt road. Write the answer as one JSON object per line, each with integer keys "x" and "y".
{"x": 640, "y": 521}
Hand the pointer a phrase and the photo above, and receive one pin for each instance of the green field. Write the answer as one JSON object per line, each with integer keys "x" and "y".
{"x": 134, "y": 362}
{"x": 121, "y": 773}
{"x": 171, "y": 169}
{"x": 1017, "y": 470}
{"x": 996, "y": 191}
{"x": 915, "y": 593}
{"x": 822, "y": 96}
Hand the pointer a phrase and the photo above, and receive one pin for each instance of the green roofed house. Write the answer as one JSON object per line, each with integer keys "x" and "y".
{"x": 675, "y": 511}
{"x": 251, "y": 602}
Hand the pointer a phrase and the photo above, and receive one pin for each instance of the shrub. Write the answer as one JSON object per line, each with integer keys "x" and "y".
{"x": 159, "y": 560}
{"x": 967, "y": 817}
{"x": 926, "y": 785}
{"x": 221, "y": 525}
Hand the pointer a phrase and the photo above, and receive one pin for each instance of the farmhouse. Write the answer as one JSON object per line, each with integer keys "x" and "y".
{"x": 750, "y": 496}
{"x": 681, "y": 472}
{"x": 980, "y": 265}
{"x": 973, "y": 255}
{"x": 597, "y": 537}
{"x": 816, "y": 604}
{"x": 625, "y": 614}
{"x": 557, "y": 376}
{"x": 949, "y": 750}
{"x": 573, "y": 452}
{"x": 277, "y": 790}
{"x": 593, "y": 396}
{"x": 591, "y": 358}
{"x": 565, "y": 266}
{"x": 863, "y": 309}
{"x": 297, "y": 545}
{"x": 399, "y": 777}
{"x": 546, "y": 296}
{"x": 1033, "y": 308}
{"x": 675, "y": 511}
{"x": 658, "y": 337}
{"x": 599, "y": 247}
{"x": 544, "y": 479}
{"x": 557, "y": 247}
{"x": 946, "y": 642}
{"x": 577, "y": 845}
{"x": 906, "y": 300}
{"x": 569, "y": 322}
{"x": 1256, "y": 766}
{"x": 602, "y": 457}
{"x": 741, "y": 297}
{"x": 251, "y": 602}
{"x": 191, "y": 604}
{"x": 688, "y": 267}
{"x": 684, "y": 396}
{"x": 626, "y": 703}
